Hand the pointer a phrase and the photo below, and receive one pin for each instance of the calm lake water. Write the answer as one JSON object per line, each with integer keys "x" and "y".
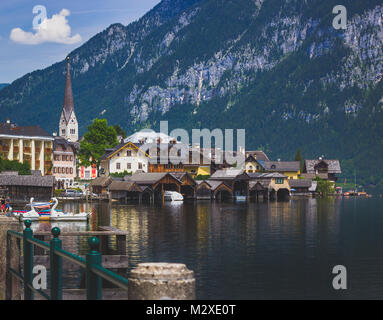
{"x": 280, "y": 250}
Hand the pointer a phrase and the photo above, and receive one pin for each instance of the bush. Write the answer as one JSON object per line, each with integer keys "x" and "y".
{"x": 58, "y": 192}
{"x": 202, "y": 177}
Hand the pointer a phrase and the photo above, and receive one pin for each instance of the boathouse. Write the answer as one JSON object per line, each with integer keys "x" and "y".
{"x": 23, "y": 187}
{"x": 203, "y": 190}
{"x": 276, "y": 184}
{"x": 236, "y": 179}
{"x": 188, "y": 186}
{"x": 300, "y": 187}
{"x": 100, "y": 185}
{"x": 125, "y": 190}
{"x": 159, "y": 182}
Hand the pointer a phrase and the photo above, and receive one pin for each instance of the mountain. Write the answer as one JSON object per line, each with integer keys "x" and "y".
{"x": 3, "y": 85}
{"x": 277, "y": 68}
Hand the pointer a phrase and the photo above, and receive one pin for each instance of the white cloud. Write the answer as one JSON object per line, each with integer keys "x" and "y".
{"x": 56, "y": 29}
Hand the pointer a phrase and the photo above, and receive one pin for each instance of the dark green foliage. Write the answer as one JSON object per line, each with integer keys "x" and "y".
{"x": 21, "y": 168}
{"x": 121, "y": 174}
{"x": 202, "y": 177}
{"x": 99, "y": 137}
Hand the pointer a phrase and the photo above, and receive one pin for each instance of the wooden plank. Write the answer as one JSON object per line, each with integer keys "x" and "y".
{"x": 80, "y": 294}
{"x": 108, "y": 262}
{"x": 82, "y": 233}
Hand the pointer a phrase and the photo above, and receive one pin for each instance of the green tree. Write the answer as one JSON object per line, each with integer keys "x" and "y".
{"x": 324, "y": 187}
{"x": 99, "y": 137}
{"x": 119, "y": 131}
{"x": 298, "y": 157}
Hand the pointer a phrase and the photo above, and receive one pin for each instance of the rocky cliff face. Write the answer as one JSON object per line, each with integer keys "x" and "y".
{"x": 274, "y": 67}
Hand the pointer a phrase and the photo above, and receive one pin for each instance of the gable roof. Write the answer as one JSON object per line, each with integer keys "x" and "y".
{"x": 267, "y": 175}
{"x": 30, "y": 181}
{"x": 333, "y": 165}
{"x": 215, "y": 184}
{"x": 227, "y": 174}
{"x": 124, "y": 186}
{"x": 102, "y": 181}
{"x": 11, "y": 129}
{"x": 149, "y": 178}
{"x": 112, "y": 151}
{"x": 300, "y": 183}
{"x": 258, "y": 155}
{"x": 282, "y": 166}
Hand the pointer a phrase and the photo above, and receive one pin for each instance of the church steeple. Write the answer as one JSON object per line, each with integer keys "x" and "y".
{"x": 68, "y": 122}
{"x": 68, "y": 95}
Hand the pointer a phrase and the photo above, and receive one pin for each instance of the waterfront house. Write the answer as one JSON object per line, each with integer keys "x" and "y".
{"x": 290, "y": 169}
{"x": 322, "y": 168}
{"x": 125, "y": 157}
{"x": 27, "y": 143}
{"x": 275, "y": 185}
{"x": 64, "y": 162}
{"x": 23, "y": 187}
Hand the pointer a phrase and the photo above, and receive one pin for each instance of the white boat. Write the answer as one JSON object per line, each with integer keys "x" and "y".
{"x": 66, "y": 216}
{"x": 49, "y": 213}
{"x": 173, "y": 196}
{"x": 240, "y": 198}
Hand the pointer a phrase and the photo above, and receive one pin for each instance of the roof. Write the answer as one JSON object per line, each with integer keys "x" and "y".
{"x": 269, "y": 175}
{"x": 124, "y": 185}
{"x": 258, "y": 155}
{"x": 333, "y": 165}
{"x": 111, "y": 151}
{"x": 311, "y": 176}
{"x": 226, "y": 174}
{"x": 11, "y": 129}
{"x": 148, "y": 136}
{"x": 282, "y": 165}
{"x": 66, "y": 144}
{"x": 300, "y": 183}
{"x": 148, "y": 178}
{"x": 31, "y": 181}
{"x": 216, "y": 183}
{"x": 264, "y": 183}
{"x": 102, "y": 181}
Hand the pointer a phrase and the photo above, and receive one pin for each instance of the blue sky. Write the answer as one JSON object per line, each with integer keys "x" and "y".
{"x": 85, "y": 19}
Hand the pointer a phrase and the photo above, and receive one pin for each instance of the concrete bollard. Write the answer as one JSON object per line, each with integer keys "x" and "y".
{"x": 161, "y": 281}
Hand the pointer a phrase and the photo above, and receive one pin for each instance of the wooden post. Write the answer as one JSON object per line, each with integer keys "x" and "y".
{"x": 121, "y": 244}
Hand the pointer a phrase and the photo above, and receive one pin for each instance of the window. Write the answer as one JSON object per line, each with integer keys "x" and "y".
{"x": 129, "y": 166}
{"x": 54, "y": 170}
{"x": 71, "y": 170}
{"x": 72, "y": 131}
{"x": 129, "y": 153}
{"x": 67, "y": 170}
{"x": 58, "y": 170}
{"x": 279, "y": 180}
{"x": 139, "y": 165}
{"x": 71, "y": 158}
{"x": 118, "y": 166}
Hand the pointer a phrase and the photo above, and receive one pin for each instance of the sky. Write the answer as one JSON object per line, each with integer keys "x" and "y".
{"x": 35, "y": 40}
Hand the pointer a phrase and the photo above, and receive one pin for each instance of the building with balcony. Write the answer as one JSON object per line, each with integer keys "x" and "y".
{"x": 27, "y": 143}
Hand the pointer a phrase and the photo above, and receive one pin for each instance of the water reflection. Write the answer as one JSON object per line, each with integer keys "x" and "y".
{"x": 277, "y": 250}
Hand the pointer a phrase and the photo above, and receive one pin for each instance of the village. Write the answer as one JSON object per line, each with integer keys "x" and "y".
{"x": 54, "y": 163}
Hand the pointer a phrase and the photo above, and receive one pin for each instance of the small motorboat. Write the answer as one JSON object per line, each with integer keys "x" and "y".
{"x": 173, "y": 196}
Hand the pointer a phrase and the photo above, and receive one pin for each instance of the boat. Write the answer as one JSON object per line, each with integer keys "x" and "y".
{"x": 173, "y": 196}
{"x": 46, "y": 211}
{"x": 56, "y": 215}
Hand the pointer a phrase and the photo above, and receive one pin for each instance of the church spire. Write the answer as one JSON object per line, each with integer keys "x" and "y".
{"x": 68, "y": 96}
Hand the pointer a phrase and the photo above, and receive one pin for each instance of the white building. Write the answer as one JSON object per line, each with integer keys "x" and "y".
{"x": 125, "y": 157}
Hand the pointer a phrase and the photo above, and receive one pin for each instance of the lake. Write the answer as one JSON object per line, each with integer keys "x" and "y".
{"x": 276, "y": 250}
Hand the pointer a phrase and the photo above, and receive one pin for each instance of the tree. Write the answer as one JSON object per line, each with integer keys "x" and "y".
{"x": 99, "y": 137}
{"x": 119, "y": 131}
{"x": 13, "y": 165}
{"x": 298, "y": 157}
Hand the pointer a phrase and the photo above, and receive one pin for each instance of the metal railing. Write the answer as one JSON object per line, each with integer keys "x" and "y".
{"x": 94, "y": 271}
